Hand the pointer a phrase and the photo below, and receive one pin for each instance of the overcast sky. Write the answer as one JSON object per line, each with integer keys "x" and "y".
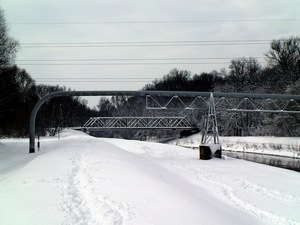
{"x": 122, "y": 45}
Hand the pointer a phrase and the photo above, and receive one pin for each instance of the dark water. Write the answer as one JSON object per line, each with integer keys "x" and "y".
{"x": 282, "y": 162}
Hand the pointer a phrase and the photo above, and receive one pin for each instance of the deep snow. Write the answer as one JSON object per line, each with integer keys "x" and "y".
{"x": 80, "y": 179}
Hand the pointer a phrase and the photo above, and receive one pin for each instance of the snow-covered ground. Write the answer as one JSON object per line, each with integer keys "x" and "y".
{"x": 80, "y": 179}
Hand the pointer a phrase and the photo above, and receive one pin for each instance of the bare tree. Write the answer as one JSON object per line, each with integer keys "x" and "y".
{"x": 106, "y": 107}
{"x": 8, "y": 46}
{"x": 285, "y": 56}
{"x": 243, "y": 74}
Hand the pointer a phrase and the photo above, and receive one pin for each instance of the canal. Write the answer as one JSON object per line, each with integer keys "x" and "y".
{"x": 282, "y": 162}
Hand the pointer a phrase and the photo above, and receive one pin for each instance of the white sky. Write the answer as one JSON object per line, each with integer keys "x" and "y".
{"x": 91, "y": 31}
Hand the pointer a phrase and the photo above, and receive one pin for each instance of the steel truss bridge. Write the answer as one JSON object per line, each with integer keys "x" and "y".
{"x": 165, "y": 123}
{"x": 162, "y": 100}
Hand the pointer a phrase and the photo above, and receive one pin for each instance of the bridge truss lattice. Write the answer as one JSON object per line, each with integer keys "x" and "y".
{"x": 165, "y": 123}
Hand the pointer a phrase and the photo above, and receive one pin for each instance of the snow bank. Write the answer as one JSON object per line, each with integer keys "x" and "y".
{"x": 79, "y": 179}
{"x": 277, "y": 146}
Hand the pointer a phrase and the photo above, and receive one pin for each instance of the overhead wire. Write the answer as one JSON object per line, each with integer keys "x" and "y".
{"x": 96, "y": 79}
{"x": 128, "y": 61}
{"x": 125, "y": 64}
{"x": 141, "y": 44}
{"x": 156, "y": 22}
{"x": 92, "y": 81}
{"x": 135, "y": 61}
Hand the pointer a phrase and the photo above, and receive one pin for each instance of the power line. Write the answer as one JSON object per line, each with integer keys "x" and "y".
{"x": 125, "y": 64}
{"x": 131, "y": 59}
{"x": 143, "y": 43}
{"x": 95, "y": 80}
{"x": 128, "y": 64}
{"x": 121, "y": 64}
{"x": 156, "y": 22}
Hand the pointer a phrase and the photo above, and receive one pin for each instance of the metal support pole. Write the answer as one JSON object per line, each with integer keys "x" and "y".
{"x": 210, "y": 131}
{"x": 38, "y": 144}
{"x": 210, "y": 124}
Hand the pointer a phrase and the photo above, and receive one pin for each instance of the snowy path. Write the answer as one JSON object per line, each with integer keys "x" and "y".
{"x": 81, "y": 202}
{"x": 84, "y": 180}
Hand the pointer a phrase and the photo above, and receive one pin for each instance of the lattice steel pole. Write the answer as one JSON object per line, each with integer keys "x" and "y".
{"x": 210, "y": 131}
{"x": 210, "y": 126}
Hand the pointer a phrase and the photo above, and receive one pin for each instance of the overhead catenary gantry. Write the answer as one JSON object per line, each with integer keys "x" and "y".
{"x": 233, "y": 102}
{"x": 290, "y": 105}
{"x": 96, "y": 93}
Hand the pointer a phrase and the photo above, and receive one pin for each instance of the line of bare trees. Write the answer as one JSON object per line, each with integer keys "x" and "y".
{"x": 281, "y": 75}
